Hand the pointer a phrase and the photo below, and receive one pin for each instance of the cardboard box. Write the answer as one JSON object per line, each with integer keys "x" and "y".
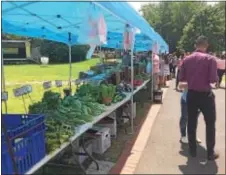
{"x": 111, "y": 123}
{"x": 102, "y": 139}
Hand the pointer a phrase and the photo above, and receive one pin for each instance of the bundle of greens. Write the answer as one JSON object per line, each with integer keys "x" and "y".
{"x": 91, "y": 90}
{"x": 107, "y": 93}
{"x": 71, "y": 111}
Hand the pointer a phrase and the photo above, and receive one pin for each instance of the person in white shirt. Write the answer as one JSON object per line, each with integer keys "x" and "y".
{"x": 184, "y": 114}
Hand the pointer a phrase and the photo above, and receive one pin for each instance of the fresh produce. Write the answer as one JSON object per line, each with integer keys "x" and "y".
{"x": 123, "y": 87}
{"x": 118, "y": 97}
{"x": 62, "y": 115}
{"x": 137, "y": 82}
{"x": 92, "y": 90}
{"x": 107, "y": 93}
{"x": 142, "y": 77}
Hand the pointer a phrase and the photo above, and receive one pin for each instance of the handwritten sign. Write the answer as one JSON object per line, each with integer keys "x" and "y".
{"x": 47, "y": 85}
{"x": 4, "y": 96}
{"x": 26, "y": 89}
{"x": 58, "y": 83}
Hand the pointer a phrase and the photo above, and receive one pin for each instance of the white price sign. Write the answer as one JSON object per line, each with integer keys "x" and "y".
{"x": 47, "y": 84}
{"x": 58, "y": 83}
{"x": 26, "y": 89}
{"x": 4, "y": 96}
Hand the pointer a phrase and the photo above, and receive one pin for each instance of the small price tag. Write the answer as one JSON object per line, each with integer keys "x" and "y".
{"x": 47, "y": 84}
{"x": 26, "y": 89}
{"x": 58, "y": 83}
{"x": 4, "y": 96}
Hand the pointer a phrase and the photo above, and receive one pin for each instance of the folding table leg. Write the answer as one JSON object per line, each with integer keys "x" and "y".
{"x": 87, "y": 153}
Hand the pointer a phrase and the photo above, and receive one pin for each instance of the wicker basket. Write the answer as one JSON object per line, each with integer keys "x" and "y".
{"x": 106, "y": 101}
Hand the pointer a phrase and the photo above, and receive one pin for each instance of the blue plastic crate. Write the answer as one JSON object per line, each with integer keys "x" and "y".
{"x": 27, "y": 137}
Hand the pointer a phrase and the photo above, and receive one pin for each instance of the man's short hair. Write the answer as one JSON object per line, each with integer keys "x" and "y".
{"x": 201, "y": 40}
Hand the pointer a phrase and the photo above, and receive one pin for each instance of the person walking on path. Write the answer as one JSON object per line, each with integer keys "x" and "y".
{"x": 162, "y": 77}
{"x": 166, "y": 68}
{"x": 179, "y": 63}
{"x": 156, "y": 70}
{"x": 184, "y": 114}
{"x": 220, "y": 69}
{"x": 174, "y": 62}
{"x": 199, "y": 70}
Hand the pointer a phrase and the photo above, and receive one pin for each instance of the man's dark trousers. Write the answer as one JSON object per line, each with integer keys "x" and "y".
{"x": 205, "y": 102}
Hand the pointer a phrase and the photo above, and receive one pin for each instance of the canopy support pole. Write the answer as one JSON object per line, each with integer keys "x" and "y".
{"x": 3, "y": 84}
{"x": 70, "y": 65}
{"x": 152, "y": 77}
{"x": 132, "y": 90}
{"x": 9, "y": 146}
{"x": 101, "y": 55}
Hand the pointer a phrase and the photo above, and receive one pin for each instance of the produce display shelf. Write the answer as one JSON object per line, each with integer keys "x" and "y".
{"x": 83, "y": 128}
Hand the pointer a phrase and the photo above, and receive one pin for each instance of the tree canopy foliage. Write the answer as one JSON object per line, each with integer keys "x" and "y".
{"x": 181, "y": 22}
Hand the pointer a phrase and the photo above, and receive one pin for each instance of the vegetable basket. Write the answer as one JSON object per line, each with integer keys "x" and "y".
{"x": 106, "y": 101}
{"x": 27, "y": 137}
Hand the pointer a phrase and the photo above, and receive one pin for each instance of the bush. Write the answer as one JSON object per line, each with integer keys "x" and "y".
{"x": 59, "y": 52}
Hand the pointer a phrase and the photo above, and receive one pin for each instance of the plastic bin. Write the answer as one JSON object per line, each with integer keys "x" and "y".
{"x": 27, "y": 137}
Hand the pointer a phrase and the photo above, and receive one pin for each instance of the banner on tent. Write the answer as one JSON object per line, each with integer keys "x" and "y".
{"x": 128, "y": 38}
{"x": 94, "y": 28}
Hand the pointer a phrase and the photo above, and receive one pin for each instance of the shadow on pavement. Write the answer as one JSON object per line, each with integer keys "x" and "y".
{"x": 198, "y": 165}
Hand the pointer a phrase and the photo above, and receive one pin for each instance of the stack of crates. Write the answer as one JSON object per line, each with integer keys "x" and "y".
{"x": 27, "y": 138}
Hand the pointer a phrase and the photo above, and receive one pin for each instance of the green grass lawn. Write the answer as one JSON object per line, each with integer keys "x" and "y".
{"x": 29, "y": 73}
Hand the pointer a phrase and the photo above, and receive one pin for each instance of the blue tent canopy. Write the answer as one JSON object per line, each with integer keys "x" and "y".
{"x": 115, "y": 40}
{"x": 55, "y": 20}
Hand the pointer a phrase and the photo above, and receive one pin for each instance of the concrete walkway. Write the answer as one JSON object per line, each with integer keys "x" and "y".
{"x": 164, "y": 154}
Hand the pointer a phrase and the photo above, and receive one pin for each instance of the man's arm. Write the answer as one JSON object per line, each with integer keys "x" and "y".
{"x": 213, "y": 78}
{"x": 182, "y": 76}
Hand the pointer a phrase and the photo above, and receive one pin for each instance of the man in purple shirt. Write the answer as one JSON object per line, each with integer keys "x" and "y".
{"x": 199, "y": 70}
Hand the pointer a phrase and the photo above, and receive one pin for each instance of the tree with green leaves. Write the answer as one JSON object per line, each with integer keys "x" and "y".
{"x": 171, "y": 20}
{"x": 210, "y": 22}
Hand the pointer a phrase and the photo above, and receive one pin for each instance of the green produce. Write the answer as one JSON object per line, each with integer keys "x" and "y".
{"x": 62, "y": 115}
{"x": 107, "y": 91}
{"x": 118, "y": 97}
{"x": 51, "y": 99}
{"x": 37, "y": 108}
{"x": 91, "y": 90}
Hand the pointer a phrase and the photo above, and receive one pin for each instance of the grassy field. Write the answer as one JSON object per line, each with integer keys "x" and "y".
{"x": 18, "y": 75}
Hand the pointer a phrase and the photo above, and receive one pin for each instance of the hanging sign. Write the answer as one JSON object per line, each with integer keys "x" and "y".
{"x": 102, "y": 30}
{"x": 4, "y": 96}
{"x": 58, "y": 83}
{"x": 94, "y": 28}
{"x": 47, "y": 85}
{"x": 128, "y": 37}
{"x": 26, "y": 89}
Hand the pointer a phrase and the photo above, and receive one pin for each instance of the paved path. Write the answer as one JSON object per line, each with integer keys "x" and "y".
{"x": 164, "y": 154}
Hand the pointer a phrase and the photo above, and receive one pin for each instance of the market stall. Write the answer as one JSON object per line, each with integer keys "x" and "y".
{"x": 37, "y": 22}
